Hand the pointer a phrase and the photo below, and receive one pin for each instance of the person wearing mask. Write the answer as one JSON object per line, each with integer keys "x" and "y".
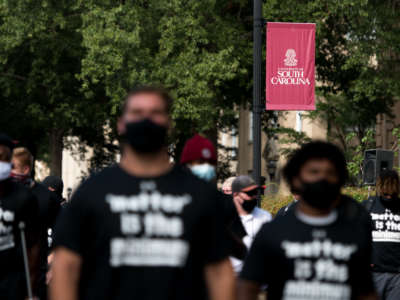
{"x": 200, "y": 157}
{"x": 321, "y": 249}
{"x": 49, "y": 207}
{"x": 56, "y": 185}
{"x": 18, "y": 206}
{"x": 385, "y": 213}
{"x": 245, "y": 199}
{"x": 49, "y": 204}
{"x": 144, "y": 228}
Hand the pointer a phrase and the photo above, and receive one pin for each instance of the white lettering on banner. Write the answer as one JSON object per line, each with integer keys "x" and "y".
{"x": 148, "y": 252}
{"x": 290, "y": 75}
{"x": 387, "y": 227}
{"x": 317, "y": 273}
{"x": 145, "y": 214}
{"x": 6, "y": 235}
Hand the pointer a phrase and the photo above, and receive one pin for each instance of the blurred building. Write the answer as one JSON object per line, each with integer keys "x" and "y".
{"x": 75, "y": 163}
{"x": 272, "y": 160}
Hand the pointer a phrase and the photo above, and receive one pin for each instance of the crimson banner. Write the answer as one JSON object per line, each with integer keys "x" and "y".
{"x": 290, "y": 66}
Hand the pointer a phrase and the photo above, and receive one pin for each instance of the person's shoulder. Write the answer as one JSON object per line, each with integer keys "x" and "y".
{"x": 98, "y": 178}
{"x": 41, "y": 191}
{"x": 351, "y": 209}
{"x": 96, "y": 182}
{"x": 276, "y": 224}
{"x": 284, "y": 209}
{"x": 17, "y": 190}
{"x": 107, "y": 172}
{"x": 19, "y": 195}
{"x": 273, "y": 231}
{"x": 367, "y": 203}
{"x": 262, "y": 214}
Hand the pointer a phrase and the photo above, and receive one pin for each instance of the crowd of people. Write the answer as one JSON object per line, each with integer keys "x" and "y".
{"x": 145, "y": 228}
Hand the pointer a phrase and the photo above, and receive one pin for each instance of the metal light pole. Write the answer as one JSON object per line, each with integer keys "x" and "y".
{"x": 257, "y": 100}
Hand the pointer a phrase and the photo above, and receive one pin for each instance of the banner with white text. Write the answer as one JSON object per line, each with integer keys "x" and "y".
{"x": 290, "y": 81}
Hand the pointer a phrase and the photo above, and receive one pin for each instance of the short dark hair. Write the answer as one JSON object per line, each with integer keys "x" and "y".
{"x": 388, "y": 181}
{"x": 7, "y": 142}
{"x": 148, "y": 89}
{"x": 315, "y": 150}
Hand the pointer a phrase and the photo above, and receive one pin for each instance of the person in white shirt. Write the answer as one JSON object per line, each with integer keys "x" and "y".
{"x": 244, "y": 192}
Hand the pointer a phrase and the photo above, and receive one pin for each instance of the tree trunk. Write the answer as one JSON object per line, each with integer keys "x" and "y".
{"x": 56, "y": 148}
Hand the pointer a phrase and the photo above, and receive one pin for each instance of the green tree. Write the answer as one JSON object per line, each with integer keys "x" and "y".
{"x": 41, "y": 96}
{"x": 66, "y": 65}
{"x": 198, "y": 49}
{"x": 69, "y": 63}
{"x": 357, "y": 44}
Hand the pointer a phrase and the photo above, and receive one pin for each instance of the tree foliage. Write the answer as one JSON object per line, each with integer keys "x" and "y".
{"x": 66, "y": 64}
{"x": 357, "y": 52}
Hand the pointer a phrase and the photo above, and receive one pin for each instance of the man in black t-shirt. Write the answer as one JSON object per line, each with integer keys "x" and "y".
{"x": 385, "y": 213}
{"x": 17, "y": 204}
{"x": 49, "y": 208}
{"x": 142, "y": 229}
{"x": 321, "y": 249}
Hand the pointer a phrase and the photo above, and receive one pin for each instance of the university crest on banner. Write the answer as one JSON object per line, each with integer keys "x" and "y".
{"x": 290, "y": 81}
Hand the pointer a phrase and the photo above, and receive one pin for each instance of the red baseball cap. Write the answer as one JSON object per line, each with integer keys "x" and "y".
{"x": 199, "y": 148}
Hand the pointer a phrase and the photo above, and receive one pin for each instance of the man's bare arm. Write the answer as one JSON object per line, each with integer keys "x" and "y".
{"x": 66, "y": 272}
{"x": 247, "y": 290}
{"x": 220, "y": 280}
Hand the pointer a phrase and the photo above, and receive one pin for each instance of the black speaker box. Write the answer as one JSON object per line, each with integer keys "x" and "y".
{"x": 376, "y": 161}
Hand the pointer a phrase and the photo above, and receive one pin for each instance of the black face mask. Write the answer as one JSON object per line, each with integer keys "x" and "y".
{"x": 320, "y": 194}
{"x": 386, "y": 200}
{"x": 145, "y": 136}
{"x": 249, "y": 205}
{"x": 392, "y": 203}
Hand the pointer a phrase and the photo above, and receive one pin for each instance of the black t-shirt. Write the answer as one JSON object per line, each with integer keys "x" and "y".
{"x": 49, "y": 205}
{"x": 385, "y": 236}
{"x": 283, "y": 210}
{"x": 16, "y": 204}
{"x": 49, "y": 208}
{"x": 234, "y": 228}
{"x": 143, "y": 238}
{"x": 301, "y": 261}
